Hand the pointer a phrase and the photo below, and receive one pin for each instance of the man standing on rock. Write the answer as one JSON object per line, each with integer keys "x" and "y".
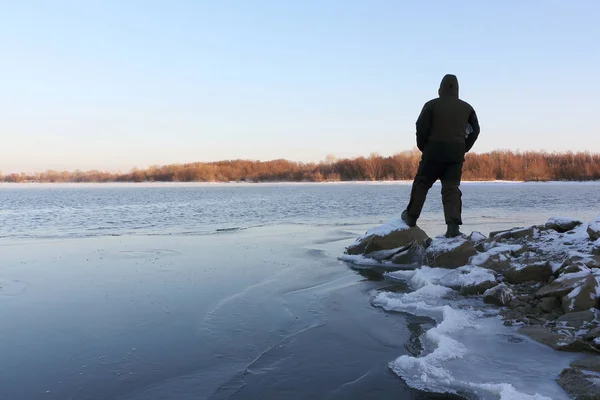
{"x": 447, "y": 128}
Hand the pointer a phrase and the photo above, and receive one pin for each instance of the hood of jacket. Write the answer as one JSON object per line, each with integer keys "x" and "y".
{"x": 449, "y": 86}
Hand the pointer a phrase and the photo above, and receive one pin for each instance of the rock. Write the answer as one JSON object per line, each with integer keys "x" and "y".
{"x": 524, "y": 251}
{"x": 537, "y": 272}
{"x": 545, "y": 336}
{"x": 588, "y": 363}
{"x": 413, "y": 255}
{"x": 582, "y": 297}
{"x": 569, "y": 269}
{"x": 469, "y": 280}
{"x": 556, "y": 340}
{"x": 563, "y": 285}
{"x": 449, "y": 253}
{"x": 596, "y": 248}
{"x": 593, "y": 229}
{"x": 516, "y": 303}
{"x": 594, "y": 260}
{"x": 593, "y": 335}
{"x": 394, "y": 234}
{"x": 562, "y": 224}
{"x": 494, "y": 234}
{"x": 500, "y": 295}
{"x": 482, "y": 247}
{"x": 528, "y": 311}
{"x": 579, "y": 384}
{"x": 549, "y": 304}
{"x": 382, "y": 255}
{"x": 515, "y": 233}
{"x": 497, "y": 258}
{"x": 496, "y": 262}
{"x": 576, "y": 320}
{"x": 581, "y": 261}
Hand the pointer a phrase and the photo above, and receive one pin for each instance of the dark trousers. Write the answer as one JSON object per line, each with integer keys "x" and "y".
{"x": 449, "y": 174}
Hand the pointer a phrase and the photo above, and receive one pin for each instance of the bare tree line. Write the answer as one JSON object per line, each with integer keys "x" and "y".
{"x": 496, "y": 165}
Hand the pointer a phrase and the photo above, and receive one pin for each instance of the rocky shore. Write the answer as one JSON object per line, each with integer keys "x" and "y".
{"x": 544, "y": 279}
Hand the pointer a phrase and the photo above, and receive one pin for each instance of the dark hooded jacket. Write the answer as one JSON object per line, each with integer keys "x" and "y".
{"x": 442, "y": 123}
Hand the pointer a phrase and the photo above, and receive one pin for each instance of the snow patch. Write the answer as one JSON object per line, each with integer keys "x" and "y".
{"x": 502, "y": 250}
{"x": 396, "y": 224}
{"x": 477, "y": 237}
{"x": 444, "y": 245}
{"x": 506, "y": 391}
{"x": 574, "y": 275}
{"x": 571, "y": 296}
{"x": 555, "y": 266}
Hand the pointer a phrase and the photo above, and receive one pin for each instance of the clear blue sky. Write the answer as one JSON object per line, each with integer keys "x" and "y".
{"x": 116, "y": 84}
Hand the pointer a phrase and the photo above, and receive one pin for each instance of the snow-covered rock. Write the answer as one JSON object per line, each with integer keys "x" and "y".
{"x": 582, "y": 297}
{"x": 506, "y": 250}
{"x": 564, "y": 284}
{"x": 562, "y": 224}
{"x": 596, "y": 248}
{"x": 580, "y": 383}
{"x": 593, "y": 229}
{"x": 537, "y": 272}
{"x": 516, "y": 233}
{"x": 449, "y": 253}
{"x": 411, "y": 256}
{"x": 386, "y": 240}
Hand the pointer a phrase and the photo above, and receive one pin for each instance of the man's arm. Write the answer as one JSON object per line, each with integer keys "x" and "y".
{"x": 472, "y": 138}
{"x": 423, "y": 126}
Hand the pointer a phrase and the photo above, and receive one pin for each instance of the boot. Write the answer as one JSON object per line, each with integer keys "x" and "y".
{"x": 453, "y": 231}
{"x": 408, "y": 220}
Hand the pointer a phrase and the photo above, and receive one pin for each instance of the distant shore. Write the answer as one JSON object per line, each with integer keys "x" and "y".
{"x": 273, "y": 183}
{"x": 492, "y": 166}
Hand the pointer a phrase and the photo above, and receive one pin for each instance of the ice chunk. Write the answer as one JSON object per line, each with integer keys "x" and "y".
{"x": 469, "y": 275}
{"x": 468, "y": 350}
{"x": 360, "y": 260}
